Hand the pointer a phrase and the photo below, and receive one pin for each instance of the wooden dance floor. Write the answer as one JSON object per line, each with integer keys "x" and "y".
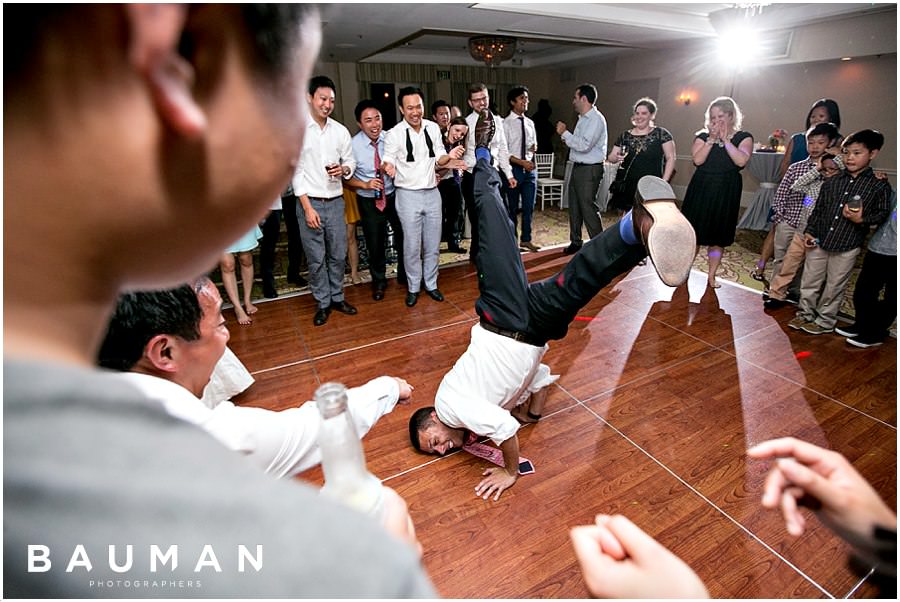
{"x": 661, "y": 392}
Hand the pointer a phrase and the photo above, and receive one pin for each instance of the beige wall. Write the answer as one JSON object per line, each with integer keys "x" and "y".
{"x": 771, "y": 96}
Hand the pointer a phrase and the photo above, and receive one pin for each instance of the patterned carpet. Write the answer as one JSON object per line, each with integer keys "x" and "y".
{"x": 551, "y": 229}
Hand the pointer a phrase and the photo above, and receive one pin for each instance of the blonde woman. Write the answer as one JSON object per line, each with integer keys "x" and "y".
{"x": 720, "y": 151}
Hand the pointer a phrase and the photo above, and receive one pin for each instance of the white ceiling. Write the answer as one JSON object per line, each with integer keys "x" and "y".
{"x": 549, "y": 34}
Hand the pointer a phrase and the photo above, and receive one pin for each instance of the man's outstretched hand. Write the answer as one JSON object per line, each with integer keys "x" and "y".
{"x": 804, "y": 474}
{"x": 495, "y": 481}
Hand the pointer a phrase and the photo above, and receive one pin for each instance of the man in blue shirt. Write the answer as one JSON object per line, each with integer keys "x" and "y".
{"x": 587, "y": 149}
{"x": 375, "y": 197}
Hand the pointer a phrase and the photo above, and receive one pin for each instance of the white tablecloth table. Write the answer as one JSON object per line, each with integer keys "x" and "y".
{"x": 763, "y": 167}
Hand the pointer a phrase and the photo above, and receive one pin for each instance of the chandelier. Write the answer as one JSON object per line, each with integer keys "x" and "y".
{"x": 751, "y": 9}
{"x": 492, "y": 50}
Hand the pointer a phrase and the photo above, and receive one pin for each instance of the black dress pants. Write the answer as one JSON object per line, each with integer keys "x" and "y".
{"x": 374, "y": 224}
{"x": 543, "y": 310}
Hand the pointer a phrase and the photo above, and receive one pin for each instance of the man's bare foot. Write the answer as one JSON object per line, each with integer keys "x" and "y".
{"x": 713, "y": 284}
{"x": 251, "y": 309}
{"x": 242, "y": 317}
{"x": 355, "y": 278}
{"x": 522, "y": 414}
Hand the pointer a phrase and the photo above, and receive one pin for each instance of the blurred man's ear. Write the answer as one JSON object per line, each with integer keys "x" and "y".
{"x": 155, "y": 30}
{"x": 160, "y": 353}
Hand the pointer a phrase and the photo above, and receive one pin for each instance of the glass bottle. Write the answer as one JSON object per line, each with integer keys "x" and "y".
{"x": 378, "y": 191}
{"x": 343, "y": 461}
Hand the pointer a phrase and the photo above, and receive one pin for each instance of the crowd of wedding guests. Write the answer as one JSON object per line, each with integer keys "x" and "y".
{"x": 410, "y": 190}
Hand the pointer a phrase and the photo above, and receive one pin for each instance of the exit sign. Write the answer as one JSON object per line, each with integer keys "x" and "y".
{"x": 442, "y": 75}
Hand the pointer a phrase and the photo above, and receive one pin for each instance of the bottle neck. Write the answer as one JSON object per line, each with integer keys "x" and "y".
{"x": 342, "y": 452}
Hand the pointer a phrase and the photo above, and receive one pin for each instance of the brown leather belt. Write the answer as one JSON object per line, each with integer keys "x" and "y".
{"x": 512, "y": 334}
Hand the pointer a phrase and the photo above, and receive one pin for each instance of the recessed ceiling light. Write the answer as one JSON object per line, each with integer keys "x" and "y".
{"x": 845, "y": 58}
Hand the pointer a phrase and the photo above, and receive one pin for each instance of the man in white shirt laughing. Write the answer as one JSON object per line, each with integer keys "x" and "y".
{"x": 166, "y": 343}
{"x": 412, "y": 148}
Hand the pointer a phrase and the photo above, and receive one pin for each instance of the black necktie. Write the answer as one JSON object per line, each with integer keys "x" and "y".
{"x": 409, "y": 146}
{"x": 522, "y": 120}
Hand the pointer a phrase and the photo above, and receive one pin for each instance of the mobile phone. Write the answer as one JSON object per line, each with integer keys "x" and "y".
{"x": 526, "y": 467}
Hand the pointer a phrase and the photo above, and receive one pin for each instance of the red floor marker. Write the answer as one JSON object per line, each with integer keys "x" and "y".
{"x": 583, "y": 318}
{"x": 802, "y": 355}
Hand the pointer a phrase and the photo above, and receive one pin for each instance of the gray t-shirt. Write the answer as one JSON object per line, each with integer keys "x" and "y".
{"x": 88, "y": 462}
{"x": 884, "y": 240}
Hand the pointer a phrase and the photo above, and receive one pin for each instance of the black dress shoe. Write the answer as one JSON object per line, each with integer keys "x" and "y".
{"x": 411, "y": 299}
{"x": 772, "y": 303}
{"x": 321, "y": 317}
{"x": 297, "y": 280}
{"x": 344, "y": 308}
{"x": 571, "y": 249}
{"x": 435, "y": 294}
{"x": 456, "y": 249}
{"x": 378, "y": 292}
{"x": 269, "y": 291}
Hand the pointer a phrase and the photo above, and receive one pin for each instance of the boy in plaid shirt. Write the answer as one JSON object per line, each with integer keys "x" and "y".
{"x": 791, "y": 208}
{"x": 848, "y": 205}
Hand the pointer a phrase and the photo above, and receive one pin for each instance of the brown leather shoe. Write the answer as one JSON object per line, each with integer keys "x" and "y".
{"x": 667, "y": 235}
{"x": 530, "y": 246}
{"x": 484, "y": 129}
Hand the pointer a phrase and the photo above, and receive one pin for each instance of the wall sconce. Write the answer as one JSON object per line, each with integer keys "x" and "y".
{"x": 684, "y": 98}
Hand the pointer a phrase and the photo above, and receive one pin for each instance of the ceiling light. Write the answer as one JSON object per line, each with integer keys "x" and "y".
{"x": 845, "y": 58}
{"x": 492, "y": 50}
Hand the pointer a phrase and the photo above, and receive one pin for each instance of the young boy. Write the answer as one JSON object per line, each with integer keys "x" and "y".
{"x": 791, "y": 208}
{"x": 848, "y": 205}
{"x": 879, "y": 271}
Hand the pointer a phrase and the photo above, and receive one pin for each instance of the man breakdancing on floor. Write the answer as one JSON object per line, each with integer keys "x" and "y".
{"x": 499, "y": 381}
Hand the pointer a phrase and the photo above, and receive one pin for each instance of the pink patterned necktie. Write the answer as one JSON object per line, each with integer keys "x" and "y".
{"x": 380, "y": 201}
{"x": 486, "y": 452}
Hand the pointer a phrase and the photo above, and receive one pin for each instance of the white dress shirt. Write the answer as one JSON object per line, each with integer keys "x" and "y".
{"x": 587, "y": 144}
{"x": 498, "y": 147}
{"x": 282, "y": 443}
{"x": 513, "y": 126}
{"x": 493, "y": 375}
{"x": 229, "y": 378}
{"x": 321, "y": 147}
{"x": 418, "y": 174}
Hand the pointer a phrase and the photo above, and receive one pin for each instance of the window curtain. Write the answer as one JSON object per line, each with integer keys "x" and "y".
{"x": 498, "y": 80}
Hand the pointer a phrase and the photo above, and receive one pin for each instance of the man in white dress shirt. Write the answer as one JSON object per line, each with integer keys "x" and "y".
{"x": 521, "y": 138}
{"x": 480, "y": 100}
{"x": 327, "y": 156}
{"x": 166, "y": 343}
{"x": 587, "y": 150}
{"x": 412, "y": 149}
{"x": 499, "y": 380}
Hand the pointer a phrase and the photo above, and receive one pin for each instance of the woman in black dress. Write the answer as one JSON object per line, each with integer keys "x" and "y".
{"x": 713, "y": 198}
{"x": 644, "y": 150}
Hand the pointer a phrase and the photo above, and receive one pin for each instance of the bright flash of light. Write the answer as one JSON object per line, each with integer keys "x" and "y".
{"x": 738, "y": 47}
